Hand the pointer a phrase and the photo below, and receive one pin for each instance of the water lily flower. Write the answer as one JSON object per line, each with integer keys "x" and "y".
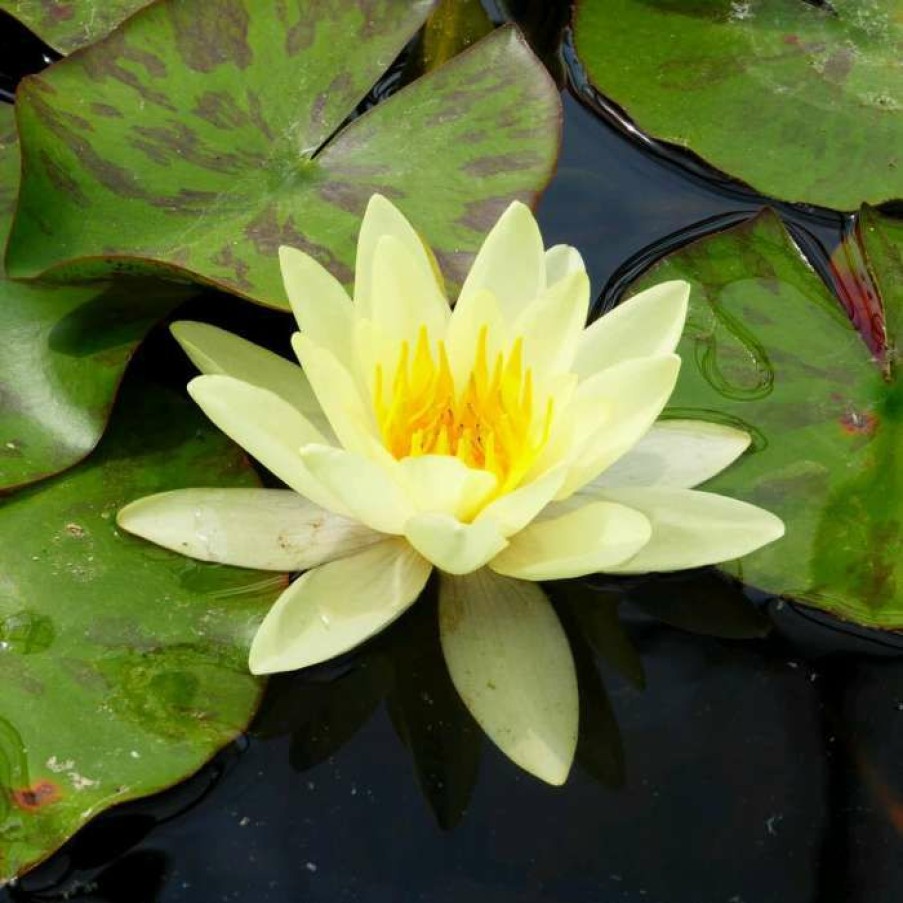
{"x": 500, "y": 441}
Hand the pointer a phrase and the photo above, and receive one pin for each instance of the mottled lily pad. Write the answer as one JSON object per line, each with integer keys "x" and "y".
{"x": 768, "y": 348}
{"x": 123, "y": 667}
{"x": 801, "y": 100}
{"x": 69, "y": 24}
{"x": 203, "y": 134}
{"x": 62, "y": 354}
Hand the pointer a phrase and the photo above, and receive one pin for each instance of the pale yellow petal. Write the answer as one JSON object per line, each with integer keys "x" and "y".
{"x": 405, "y": 295}
{"x": 267, "y": 529}
{"x": 510, "y": 661}
{"x": 611, "y": 412}
{"x": 551, "y": 326}
{"x": 364, "y": 487}
{"x": 510, "y": 263}
{"x": 646, "y": 325}
{"x": 691, "y": 528}
{"x": 441, "y": 484}
{"x": 677, "y": 453}
{"x": 590, "y": 538}
{"x": 268, "y": 428}
{"x": 337, "y": 606}
{"x": 476, "y": 318}
{"x": 561, "y": 261}
{"x": 382, "y": 218}
{"x": 514, "y": 510}
{"x": 341, "y": 399}
{"x": 452, "y": 546}
{"x": 215, "y": 351}
{"x": 321, "y": 306}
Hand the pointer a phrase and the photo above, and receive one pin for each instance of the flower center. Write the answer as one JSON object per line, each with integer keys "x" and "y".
{"x": 490, "y": 424}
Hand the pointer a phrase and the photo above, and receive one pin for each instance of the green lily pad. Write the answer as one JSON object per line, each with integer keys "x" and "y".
{"x": 203, "y": 134}
{"x": 67, "y": 25}
{"x": 802, "y": 101}
{"x": 768, "y": 348}
{"x": 63, "y": 352}
{"x": 124, "y": 667}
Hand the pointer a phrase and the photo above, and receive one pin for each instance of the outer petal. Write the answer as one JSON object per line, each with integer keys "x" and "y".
{"x": 646, "y": 325}
{"x": 405, "y": 293}
{"x": 269, "y": 529}
{"x": 593, "y": 537}
{"x": 362, "y": 487}
{"x": 214, "y": 351}
{"x": 612, "y": 411}
{"x": 383, "y": 218}
{"x": 553, "y": 324}
{"x": 511, "y": 263}
{"x": 511, "y": 663}
{"x": 441, "y": 484}
{"x": 320, "y": 304}
{"x": 691, "y": 529}
{"x": 676, "y": 453}
{"x": 454, "y": 547}
{"x": 562, "y": 260}
{"x": 338, "y": 606}
{"x": 268, "y": 428}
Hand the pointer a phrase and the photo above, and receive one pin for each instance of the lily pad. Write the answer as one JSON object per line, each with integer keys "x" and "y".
{"x": 63, "y": 352}
{"x": 203, "y": 134}
{"x": 768, "y": 348}
{"x": 801, "y": 100}
{"x": 124, "y": 667}
{"x": 67, "y": 25}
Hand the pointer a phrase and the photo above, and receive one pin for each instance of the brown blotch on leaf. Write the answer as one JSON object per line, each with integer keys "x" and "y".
{"x": 208, "y": 41}
{"x": 31, "y": 799}
{"x": 858, "y": 423}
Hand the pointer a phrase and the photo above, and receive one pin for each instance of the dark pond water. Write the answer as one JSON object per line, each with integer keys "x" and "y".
{"x": 750, "y": 769}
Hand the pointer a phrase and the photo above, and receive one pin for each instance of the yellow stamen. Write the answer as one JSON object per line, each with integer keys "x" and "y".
{"x": 489, "y": 425}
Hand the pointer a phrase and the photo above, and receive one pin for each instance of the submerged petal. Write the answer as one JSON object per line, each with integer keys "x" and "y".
{"x": 320, "y": 304}
{"x": 452, "y": 546}
{"x": 511, "y": 262}
{"x": 590, "y": 538}
{"x": 646, "y": 325}
{"x": 337, "y": 606}
{"x": 676, "y": 453}
{"x": 511, "y": 663}
{"x": 268, "y": 529}
{"x": 692, "y": 529}
{"x": 215, "y": 351}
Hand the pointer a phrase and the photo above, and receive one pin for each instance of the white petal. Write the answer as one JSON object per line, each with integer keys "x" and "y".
{"x": 613, "y": 410}
{"x": 383, "y": 218}
{"x": 590, "y": 538}
{"x": 511, "y": 664}
{"x": 215, "y": 351}
{"x": 338, "y": 606}
{"x": 511, "y": 263}
{"x": 321, "y": 306}
{"x": 552, "y": 325}
{"x": 454, "y": 547}
{"x": 266, "y": 427}
{"x": 363, "y": 487}
{"x": 647, "y": 325}
{"x": 691, "y": 528}
{"x": 561, "y": 261}
{"x": 676, "y": 453}
{"x": 405, "y": 294}
{"x": 268, "y": 529}
{"x": 441, "y": 484}
{"x": 514, "y": 510}
{"x": 340, "y": 398}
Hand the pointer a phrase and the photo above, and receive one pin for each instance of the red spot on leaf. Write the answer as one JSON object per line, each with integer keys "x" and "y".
{"x": 33, "y": 798}
{"x": 792, "y": 39}
{"x": 855, "y": 423}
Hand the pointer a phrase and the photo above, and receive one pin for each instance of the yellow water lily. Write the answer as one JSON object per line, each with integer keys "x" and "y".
{"x": 501, "y": 441}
